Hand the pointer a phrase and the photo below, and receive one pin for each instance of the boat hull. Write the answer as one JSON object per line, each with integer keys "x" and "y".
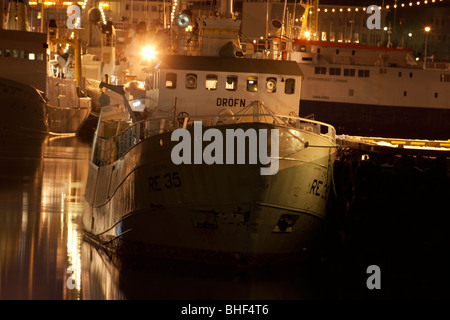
{"x": 22, "y": 108}
{"x": 66, "y": 110}
{"x": 66, "y": 119}
{"x": 224, "y": 213}
{"x": 380, "y": 121}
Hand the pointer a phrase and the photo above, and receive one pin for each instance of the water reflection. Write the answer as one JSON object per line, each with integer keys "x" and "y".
{"x": 107, "y": 276}
{"x": 43, "y": 254}
{"x": 41, "y": 197}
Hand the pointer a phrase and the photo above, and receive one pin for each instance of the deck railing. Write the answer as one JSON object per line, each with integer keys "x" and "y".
{"x": 436, "y": 65}
{"x": 108, "y": 150}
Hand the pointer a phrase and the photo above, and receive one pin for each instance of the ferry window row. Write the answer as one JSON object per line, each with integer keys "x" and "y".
{"x": 22, "y": 54}
{"x": 347, "y": 72}
{"x": 445, "y": 77}
{"x": 231, "y": 83}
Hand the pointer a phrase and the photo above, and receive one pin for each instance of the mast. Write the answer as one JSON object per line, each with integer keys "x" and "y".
{"x": 42, "y": 16}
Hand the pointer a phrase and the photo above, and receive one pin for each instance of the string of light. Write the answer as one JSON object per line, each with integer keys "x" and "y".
{"x": 172, "y": 14}
{"x": 102, "y": 12}
{"x": 59, "y": 3}
{"x": 405, "y": 4}
{"x": 394, "y": 5}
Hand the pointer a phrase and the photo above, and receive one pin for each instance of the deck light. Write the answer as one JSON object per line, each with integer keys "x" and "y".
{"x": 149, "y": 53}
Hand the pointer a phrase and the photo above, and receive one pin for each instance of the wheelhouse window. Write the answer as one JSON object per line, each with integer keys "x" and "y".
{"x": 231, "y": 83}
{"x": 289, "y": 86}
{"x": 271, "y": 85}
{"x": 7, "y": 53}
{"x": 211, "y": 82}
{"x": 150, "y": 81}
{"x": 252, "y": 84}
{"x": 191, "y": 81}
{"x": 31, "y": 56}
{"x": 15, "y": 53}
{"x": 171, "y": 80}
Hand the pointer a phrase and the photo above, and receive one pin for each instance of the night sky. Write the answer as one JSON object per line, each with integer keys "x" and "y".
{"x": 379, "y": 2}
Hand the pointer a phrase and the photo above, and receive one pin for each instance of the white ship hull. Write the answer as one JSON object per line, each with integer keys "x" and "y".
{"x": 382, "y": 105}
{"x": 220, "y": 213}
{"x": 373, "y": 91}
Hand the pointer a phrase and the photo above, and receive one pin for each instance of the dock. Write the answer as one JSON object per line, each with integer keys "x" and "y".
{"x": 394, "y": 146}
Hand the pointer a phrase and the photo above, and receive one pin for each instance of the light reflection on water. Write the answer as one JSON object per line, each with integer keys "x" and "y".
{"x": 41, "y": 202}
{"x": 43, "y": 255}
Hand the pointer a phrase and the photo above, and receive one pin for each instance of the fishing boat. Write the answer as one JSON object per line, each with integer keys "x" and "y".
{"x": 246, "y": 185}
{"x": 68, "y": 105}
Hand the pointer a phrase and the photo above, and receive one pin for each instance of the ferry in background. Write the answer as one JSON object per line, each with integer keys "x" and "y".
{"x": 373, "y": 91}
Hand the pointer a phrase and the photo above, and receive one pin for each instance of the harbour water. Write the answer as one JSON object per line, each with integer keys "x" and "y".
{"x": 43, "y": 254}
{"x": 395, "y": 219}
{"x": 41, "y": 196}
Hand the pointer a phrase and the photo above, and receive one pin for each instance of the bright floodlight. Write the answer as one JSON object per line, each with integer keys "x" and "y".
{"x": 149, "y": 53}
{"x": 427, "y": 29}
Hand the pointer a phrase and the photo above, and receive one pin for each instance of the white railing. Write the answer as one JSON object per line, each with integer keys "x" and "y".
{"x": 106, "y": 151}
{"x": 436, "y": 65}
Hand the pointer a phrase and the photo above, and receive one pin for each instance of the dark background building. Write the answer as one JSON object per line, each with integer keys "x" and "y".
{"x": 408, "y": 29}
{"x": 403, "y": 20}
